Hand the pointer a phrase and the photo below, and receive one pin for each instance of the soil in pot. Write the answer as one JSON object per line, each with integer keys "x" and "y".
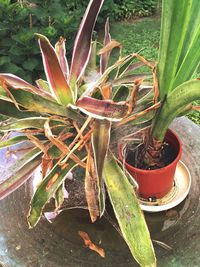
{"x": 168, "y": 155}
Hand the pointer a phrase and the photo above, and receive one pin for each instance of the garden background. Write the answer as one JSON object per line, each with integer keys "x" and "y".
{"x": 134, "y": 23}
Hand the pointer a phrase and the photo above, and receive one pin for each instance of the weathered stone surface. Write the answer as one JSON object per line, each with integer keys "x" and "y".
{"x": 58, "y": 244}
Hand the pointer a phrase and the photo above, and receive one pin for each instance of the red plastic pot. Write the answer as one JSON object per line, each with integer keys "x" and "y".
{"x": 156, "y": 183}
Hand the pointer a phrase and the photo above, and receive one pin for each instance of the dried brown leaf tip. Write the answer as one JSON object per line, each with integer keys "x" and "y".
{"x": 112, "y": 44}
{"x": 88, "y": 243}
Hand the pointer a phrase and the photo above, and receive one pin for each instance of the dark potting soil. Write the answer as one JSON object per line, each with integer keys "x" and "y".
{"x": 168, "y": 154}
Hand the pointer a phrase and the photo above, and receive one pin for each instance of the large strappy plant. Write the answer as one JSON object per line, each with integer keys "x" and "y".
{"x": 179, "y": 57}
{"x": 68, "y": 120}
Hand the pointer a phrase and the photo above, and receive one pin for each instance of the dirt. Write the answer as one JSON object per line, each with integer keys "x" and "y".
{"x": 168, "y": 154}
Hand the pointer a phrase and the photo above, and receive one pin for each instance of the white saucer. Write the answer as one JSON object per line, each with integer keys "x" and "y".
{"x": 182, "y": 184}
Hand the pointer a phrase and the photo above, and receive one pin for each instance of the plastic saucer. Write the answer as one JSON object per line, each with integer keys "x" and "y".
{"x": 181, "y": 187}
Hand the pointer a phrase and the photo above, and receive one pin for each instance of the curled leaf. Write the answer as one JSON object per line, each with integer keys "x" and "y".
{"x": 102, "y": 109}
{"x": 18, "y": 83}
{"x": 90, "y": 189}
{"x": 108, "y": 48}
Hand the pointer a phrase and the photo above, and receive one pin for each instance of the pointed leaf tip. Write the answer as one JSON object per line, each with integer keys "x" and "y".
{"x": 82, "y": 44}
{"x": 61, "y": 51}
{"x": 58, "y": 84}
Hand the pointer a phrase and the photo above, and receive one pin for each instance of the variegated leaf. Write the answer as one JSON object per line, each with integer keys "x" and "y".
{"x": 105, "y": 57}
{"x": 47, "y": 189}
{"x": 18, "y": 83}
{"x": 102, "y": 109}
{"x": 61, "y": 54}
{"x": 128, "y": 213}
{"x": 58, "y": 84}
{"x": 20, "y": 172}
{"x": 82, "y": 44}
{"x": 100, "y": 145}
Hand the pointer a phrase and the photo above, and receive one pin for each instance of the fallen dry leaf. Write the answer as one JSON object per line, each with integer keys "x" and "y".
{"x": 91, "y": 245}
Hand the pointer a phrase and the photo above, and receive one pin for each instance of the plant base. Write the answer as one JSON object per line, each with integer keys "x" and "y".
{"x": 179, "y": 191}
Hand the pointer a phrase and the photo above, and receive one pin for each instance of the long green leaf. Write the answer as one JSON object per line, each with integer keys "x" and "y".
{"x": 190, "y": 61}
{"x": 100, "y": 144}
{"x": 39, "y": 104}
{"x": 34, "y": 122}
{"x": 175, "y": 104}
{"x": 180, "y": 33}
{"x": 128, "y": 213}
{"x": 9, "y": 109}
{"x": 13, "y": 141}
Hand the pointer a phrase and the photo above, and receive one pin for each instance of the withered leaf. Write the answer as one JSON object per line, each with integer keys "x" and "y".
{"x": 88, "y": 243}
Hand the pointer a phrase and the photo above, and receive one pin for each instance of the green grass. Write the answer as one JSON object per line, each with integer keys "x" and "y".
{"x": 141, "y": 34}
{"x": 144, "y": 34}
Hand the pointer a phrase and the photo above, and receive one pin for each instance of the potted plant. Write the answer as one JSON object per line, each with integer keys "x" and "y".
{"x": 175, "y": 89}
{"x": 61, "y": 120}
{"x": 67, "y": 120}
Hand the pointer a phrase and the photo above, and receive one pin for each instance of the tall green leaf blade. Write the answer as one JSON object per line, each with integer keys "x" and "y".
{"x": 128, "y": 213}
{"x": 175, "y": 104}
{"x": 100, "y": 144}
{"x": 192, "y": 32}
{"x": 55, "y": 77}
{"x": 190, "y": 60}
{"x": 176, "y": 27}
{"x": 20, "y": 172}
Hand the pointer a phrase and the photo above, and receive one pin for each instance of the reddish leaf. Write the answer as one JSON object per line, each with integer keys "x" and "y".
{"x": 61, "y": 51}
{"x": 57, "y": 82}
{"x": 82, "y": 45}
{"x": 104, "y": 57}
{"x": 18, "y": 83}
{"x": 102, "y": 109}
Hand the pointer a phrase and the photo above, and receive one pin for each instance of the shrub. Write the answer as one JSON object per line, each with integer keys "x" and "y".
{"x": 127, "y": 9}
{"x": 53, "y": 18}
{"x": 19, "y": 53}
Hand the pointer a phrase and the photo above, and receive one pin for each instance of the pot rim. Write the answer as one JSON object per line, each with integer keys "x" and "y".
{"x": 121, "y": 157}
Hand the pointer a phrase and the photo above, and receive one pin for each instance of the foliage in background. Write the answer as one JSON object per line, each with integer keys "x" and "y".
{"x": 19, "y": 20}
{"x": 127, "y": 9}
